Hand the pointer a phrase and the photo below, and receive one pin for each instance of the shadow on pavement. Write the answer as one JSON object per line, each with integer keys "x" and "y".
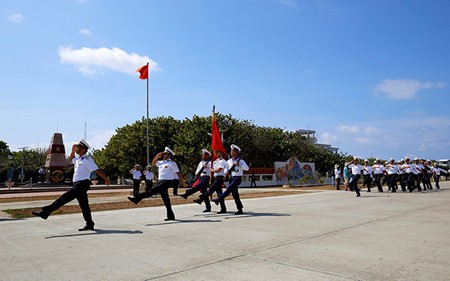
{"x": 252, "y": 214}
{"x": 97, "y": 232}
{"x": 10, "y": 219}
{"x": 181, "y": 221}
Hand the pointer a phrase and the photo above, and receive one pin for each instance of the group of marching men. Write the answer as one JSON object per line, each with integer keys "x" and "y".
{"x": 210, "y": 178}
{"x": 406, "y": 173}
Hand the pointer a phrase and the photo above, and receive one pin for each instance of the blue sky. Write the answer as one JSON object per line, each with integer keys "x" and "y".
{"x": 371, "y": 77}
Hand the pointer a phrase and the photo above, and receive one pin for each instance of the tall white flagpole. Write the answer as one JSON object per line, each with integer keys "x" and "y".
{"x": 148, "y": 149}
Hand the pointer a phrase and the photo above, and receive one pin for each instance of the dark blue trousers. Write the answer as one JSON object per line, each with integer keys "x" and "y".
{"x": 79, "y": 192}
{"x": 162, "y": 187}
{"x": 202, "y": 186}
{"x": 215, "y": 187}
{"x": 233, "y": 189}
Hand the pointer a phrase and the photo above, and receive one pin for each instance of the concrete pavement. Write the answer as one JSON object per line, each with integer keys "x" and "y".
{"x": 317, "y": 236}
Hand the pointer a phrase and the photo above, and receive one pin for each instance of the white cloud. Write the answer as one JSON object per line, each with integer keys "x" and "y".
{"x": 17, "y": 18}
{"x": 289, "y": 3}
{"x": 327, "y": 138}
{"x": 99, "y": 138}
{"x": 90, "y": 61}
{"x": 86, "y": 32}
{"x": 421, "y": 135}
{"x": 403, "y": 89}
{"x": 348, "y": 129}
{"x": 370, "y": 130}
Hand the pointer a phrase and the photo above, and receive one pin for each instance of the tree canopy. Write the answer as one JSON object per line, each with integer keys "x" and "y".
{"x": 261, "y": 146}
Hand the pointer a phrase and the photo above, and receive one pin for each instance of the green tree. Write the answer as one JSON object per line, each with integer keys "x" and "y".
{"x": 261, "y": 146}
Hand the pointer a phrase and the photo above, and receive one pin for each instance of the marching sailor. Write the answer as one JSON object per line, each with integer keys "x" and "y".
{"x": 83, "y": 166}
{"x": 235, "y": 169}
{"x": 203, "y": 175}
{"x": 166, "y": 173}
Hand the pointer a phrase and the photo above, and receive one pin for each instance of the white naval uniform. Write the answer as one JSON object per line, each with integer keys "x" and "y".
{"x": 220, "y": 163}
{"x": 167, "y": 170}
{"x": 84, "y": 165}
{"x": 206, "y": 170}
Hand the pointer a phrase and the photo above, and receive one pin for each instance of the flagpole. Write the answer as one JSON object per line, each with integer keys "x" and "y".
{"x": 148, "y": 150}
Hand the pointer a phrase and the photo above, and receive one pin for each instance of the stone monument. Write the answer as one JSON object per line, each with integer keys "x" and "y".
{"x": 56, "y": 160}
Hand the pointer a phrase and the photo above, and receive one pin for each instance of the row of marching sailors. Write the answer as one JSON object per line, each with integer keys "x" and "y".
{"x": 210, "y": 179}
{"x": 406, "y": 173}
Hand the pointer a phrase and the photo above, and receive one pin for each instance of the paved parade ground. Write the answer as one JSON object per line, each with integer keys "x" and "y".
{"x": 329, "y": 235}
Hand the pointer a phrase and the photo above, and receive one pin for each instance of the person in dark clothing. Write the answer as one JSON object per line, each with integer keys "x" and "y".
{"x": 84, "y": 165}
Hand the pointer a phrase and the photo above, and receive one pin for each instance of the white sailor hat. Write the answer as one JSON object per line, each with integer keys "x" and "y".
{"x": 168, "y": 150}
{"x": 365, "y": 160}
{"x": 391, "y": 159}
{"x": 205, "y": 151}
{"x": 336, "y": 166}
{"x": 83, "y": 143}
{"x": 407, "y": 158}
{"x": 436, "y": 164}
{"x": 137, "y": 165}
{"x": 401, "y": 160}
{"x": 415, "y": 159}
{"x": 235, "y": 147}
{"x": 376, "y": 160}
{"x": 346, "y": 164}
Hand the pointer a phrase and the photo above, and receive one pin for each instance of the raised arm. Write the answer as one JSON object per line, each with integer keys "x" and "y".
{"x": 156, "y": 158}
{"x": 103, "y": 176}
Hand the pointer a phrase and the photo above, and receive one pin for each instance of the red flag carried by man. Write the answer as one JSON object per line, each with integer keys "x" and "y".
{"x": 143, "y": 70}
{"x": 216, "y": 142}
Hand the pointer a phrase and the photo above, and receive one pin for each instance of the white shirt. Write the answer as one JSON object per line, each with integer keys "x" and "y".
{"x": 206, "y": 171}
{"x": 148, "y": 175}
{"x": 392, "y": 169}
{"x": 378, "y": 169}
{"x": 367, "y": 170}
{"x": 84, "y": 165}
{"x": 220, "y": 163}
{"x": 239, "y": 169}
{"x": 337, "y": 173}
{"x": 407, "y": 168}
{"x": 167, "y": 169}
{"x": 136, "y": 174}
{"x": 415, "y": 169}
{"x": 420, "y": 166}
{"x": 356, "y": 169}
{"x": 438, "y": 170}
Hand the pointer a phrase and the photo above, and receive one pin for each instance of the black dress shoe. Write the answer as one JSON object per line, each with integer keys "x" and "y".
{"x": 222, "y": 212}
{"x": 216, "y": 201}
{"x": 86, "y": 227}
{"x": 40, "y": 214}
{"x": 206, "y": 210}
{"x": 169, "y": 219}
{"x": 184, "y": 195}
{"x": 133, "y": 199}
{"x": 239, "y": 212}
{"x": 198, "y": 201}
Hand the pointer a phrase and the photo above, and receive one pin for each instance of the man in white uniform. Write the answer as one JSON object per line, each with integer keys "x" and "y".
{"x": 203, "y": 175}
{"x": 235, "y": 168}
{"x": 218, "y": 169}
{"x": 148, "y": 178}
{"x": 84, "y": 165}
{"x": 356, "y": 174}
{"x": 137, "y": 175}
{"x": 378, "y": 171}
{"x": 367, "y": 171}
{"x": 166, "y": 173}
